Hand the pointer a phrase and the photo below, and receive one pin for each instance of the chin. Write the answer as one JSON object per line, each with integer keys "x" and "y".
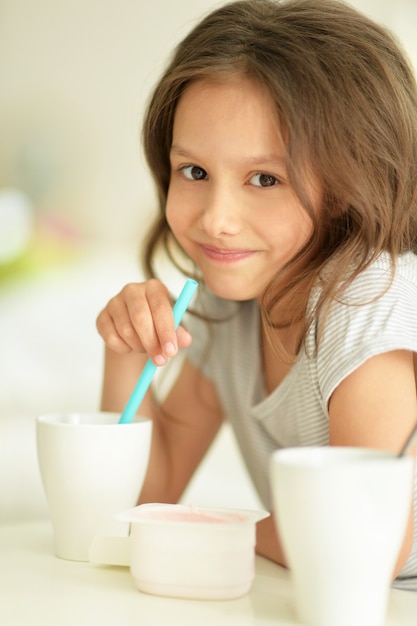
{"x": 228, "y": 291}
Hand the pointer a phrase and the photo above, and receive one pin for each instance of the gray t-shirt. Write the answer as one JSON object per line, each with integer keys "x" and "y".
{"x": 296, "y": 412}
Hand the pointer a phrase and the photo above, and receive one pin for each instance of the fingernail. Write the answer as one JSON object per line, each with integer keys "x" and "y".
{"x": 159, "y": 359}
{"x": 170, "y": 349}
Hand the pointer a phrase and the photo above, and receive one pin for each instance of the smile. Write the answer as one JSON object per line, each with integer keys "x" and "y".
{"x": 226, "y": 255}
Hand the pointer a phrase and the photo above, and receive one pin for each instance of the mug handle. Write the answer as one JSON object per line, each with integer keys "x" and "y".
{"x": 110, "y": 550}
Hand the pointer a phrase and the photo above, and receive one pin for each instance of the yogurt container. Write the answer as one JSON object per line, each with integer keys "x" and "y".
{"x": 192, "y": 552}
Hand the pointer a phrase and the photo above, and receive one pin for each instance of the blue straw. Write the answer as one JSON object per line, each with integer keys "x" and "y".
{"x": 150, "y": 368}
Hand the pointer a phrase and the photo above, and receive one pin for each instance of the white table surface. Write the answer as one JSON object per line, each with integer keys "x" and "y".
{"x": 36, "y": 588}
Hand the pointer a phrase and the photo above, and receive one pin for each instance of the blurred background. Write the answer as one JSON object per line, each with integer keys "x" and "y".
{"x": 74, "y": 79}
{"x": 75, "y": 195}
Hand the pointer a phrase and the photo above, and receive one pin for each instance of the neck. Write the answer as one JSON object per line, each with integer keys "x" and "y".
{"x": 279, "y": 351}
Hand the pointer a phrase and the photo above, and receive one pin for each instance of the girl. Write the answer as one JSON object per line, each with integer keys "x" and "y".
{"x": 283, "y": 142}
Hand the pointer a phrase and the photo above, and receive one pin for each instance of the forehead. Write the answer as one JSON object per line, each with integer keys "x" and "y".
{"x": 233, "y": 105}
{"x": 236, "y": 84}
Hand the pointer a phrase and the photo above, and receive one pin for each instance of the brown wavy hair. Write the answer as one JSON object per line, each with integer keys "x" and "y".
{"x": 346, "y": 102}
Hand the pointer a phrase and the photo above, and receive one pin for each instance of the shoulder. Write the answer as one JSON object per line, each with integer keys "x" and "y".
{"x": 383, "y": 277}
{"x": 381, "y": 292}
{"x": 377, "y": 313}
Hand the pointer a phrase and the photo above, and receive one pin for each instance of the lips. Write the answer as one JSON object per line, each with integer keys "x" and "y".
{"x": 226, "y": 255}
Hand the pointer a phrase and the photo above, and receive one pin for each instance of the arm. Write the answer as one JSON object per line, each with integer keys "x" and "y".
{"x": 376, "y": 407}
{"x": 183, "y": 430}
{"x": 267, "y": 541}
{"x": 138, "y": 323}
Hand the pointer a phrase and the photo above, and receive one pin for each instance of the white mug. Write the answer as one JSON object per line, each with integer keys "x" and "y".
{"x": 91, "y": 468}
{"x": 341, "y": 514}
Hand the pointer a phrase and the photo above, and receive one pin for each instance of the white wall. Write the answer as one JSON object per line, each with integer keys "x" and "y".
{"x": 74, "y": 77}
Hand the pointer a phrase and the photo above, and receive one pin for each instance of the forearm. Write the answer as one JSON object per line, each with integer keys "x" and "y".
{"x": 121, "y": 373}
{"x": 267, "y": 541}
{"x": 183, "y": 429}
{"x": 158, "y": 485}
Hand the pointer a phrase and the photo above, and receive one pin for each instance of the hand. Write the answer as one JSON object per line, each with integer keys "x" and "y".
{"x": 140, "y": 319}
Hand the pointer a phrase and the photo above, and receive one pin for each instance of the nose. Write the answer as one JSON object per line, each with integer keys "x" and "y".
{"x": 221, "y": 212}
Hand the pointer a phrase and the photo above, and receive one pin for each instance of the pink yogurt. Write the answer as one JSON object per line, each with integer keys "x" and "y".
{"x": 185, "y": 515}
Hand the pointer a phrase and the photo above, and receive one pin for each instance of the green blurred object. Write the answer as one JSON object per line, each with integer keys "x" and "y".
{"x": 44, "y": 252}
{"x": 30, "y": 243}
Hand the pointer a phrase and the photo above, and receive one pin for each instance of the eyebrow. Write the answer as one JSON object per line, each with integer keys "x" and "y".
{"x": 255, "y": 160}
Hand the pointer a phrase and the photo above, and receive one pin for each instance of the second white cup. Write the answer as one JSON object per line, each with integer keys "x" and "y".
{"x": 341, "y": 514}
{"x": 91, "y": 468}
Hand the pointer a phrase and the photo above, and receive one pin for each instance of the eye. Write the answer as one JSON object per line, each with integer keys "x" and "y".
{"x": 264, "y": 180}
{"x": 193, "y": 172}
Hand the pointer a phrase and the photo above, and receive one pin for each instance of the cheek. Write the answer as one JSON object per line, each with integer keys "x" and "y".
{"x": 175, "y": 214}
{"x": 181, "y": 209}
{"x": 170, "y": 212}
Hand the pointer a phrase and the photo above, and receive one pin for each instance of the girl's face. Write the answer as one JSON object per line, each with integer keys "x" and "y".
{"x": 230, "y": 205}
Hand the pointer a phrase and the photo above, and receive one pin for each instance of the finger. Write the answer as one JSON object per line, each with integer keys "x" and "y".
{"x": 183, "y": 337}
{"x": 153, "y": 321}
{"x": 163, "y": 318}
{"x": 118, "y": 312}
{"x": 109, "y": 334}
